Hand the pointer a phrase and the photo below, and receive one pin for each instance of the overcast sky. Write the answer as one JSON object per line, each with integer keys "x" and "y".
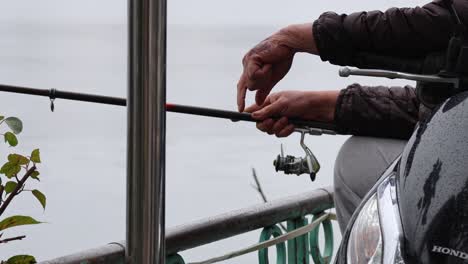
{"x": 189, "y": 11}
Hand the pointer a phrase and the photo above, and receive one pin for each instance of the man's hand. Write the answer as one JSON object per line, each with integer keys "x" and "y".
{"x": 273, "y": 114}
{"x": 268, "y": 62}
{"x": 264, "y": 66}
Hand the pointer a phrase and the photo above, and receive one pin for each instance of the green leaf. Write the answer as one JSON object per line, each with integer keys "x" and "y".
{"x": 10, "y": 186}
{"x": 5, "y": 167}
{"x": 40, "y": 197}
{"x": 35, "y": 175}
{"x": 10, "y": 169}
{"x": 11, "y": 139}
{"x": 17, "y": 220}
{"x": 35, "y": 156}
{"x": 18, "y": 159}
{"x": 1, "y": 118}
{"x": 14, "y": 124}
{"x": 21, "y": 259}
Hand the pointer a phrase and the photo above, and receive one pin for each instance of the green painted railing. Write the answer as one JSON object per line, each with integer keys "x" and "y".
{"x": 298, "y": 243}
{"x": 300, "y": 249}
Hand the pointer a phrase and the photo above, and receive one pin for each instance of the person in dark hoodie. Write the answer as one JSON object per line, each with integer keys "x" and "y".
{"x": 380, "y": 118}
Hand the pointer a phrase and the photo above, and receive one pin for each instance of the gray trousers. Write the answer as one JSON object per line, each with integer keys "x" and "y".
{"x": 359, "y": 164}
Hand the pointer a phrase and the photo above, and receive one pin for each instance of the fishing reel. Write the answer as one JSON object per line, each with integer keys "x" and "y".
{"x": 301, "y": 165}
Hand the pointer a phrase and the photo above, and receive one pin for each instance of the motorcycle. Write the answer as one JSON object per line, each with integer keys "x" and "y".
{"x": 417, "y": 212}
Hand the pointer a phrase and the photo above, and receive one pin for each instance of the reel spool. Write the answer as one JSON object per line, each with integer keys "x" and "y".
{"x": 298, "y": 165}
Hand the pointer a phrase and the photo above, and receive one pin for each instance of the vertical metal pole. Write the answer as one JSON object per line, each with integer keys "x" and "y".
{"x": 146, "y": 132}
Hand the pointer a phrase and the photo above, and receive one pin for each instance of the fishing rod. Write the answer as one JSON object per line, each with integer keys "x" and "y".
{"x": 288, "y": 164}
{"x": 176, "y": 108}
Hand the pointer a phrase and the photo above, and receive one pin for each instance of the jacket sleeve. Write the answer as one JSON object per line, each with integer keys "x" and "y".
{"x": 407, "y": 33}
{"x": 401, "y": 32}
{"x": 377, "y": 111}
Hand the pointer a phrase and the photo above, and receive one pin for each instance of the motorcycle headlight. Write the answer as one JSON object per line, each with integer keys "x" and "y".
{"x": 375, "y": 233}
{"x": 365, "y": 240}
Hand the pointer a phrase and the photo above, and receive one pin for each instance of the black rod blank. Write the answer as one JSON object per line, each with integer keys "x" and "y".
{"x": 175, "y": 108}
{"x": 53, "y": 94}
{"x": 236, "y": 116}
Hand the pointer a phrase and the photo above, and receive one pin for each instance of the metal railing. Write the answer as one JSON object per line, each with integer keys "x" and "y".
{"x": 293, "y": 209}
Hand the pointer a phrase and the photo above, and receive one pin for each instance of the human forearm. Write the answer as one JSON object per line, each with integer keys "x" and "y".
{"x": 397, "y": 32}
{"x": 321, "y": 105}
{"x": 300, "y": 38}
{"x": 377, "y": 111}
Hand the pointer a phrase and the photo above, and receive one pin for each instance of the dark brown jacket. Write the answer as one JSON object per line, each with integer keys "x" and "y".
{"x": 357, "y": 39}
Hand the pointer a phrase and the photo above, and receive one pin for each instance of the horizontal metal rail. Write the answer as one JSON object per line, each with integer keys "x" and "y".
{"x": 216, "y": 228}
{"x": 112, "y": 253}
{"x": 244, "y": 220}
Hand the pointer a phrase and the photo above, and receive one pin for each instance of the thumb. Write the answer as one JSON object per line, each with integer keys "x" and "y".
{"x": 252, "y": 108}
{"x": 256, "y": 107}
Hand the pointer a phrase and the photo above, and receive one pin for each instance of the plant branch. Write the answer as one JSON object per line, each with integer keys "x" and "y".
{"x": 16, "y": 190}
{"x": 1, "y": 194}
{"x": 259, "y": 189}
{"x": 6, "y": 240}
{"x": 258, "y": 186}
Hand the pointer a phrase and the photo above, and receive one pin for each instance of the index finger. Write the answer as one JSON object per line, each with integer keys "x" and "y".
{"x": 241, "y": 92}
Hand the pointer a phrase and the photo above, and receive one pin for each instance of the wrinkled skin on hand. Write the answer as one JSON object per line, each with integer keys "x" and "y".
{"x": 287, "y": 104}
{"x": 264, "y": 66}
{"x": 274, "y": 113}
